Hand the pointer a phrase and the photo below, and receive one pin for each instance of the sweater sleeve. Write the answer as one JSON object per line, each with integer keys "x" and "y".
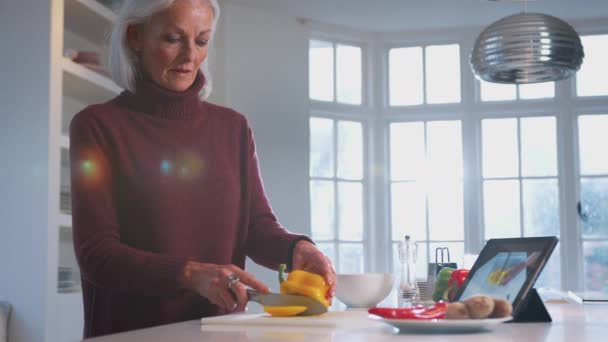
{"x": 104, "y": 260}
{"x": 268, "y": 243}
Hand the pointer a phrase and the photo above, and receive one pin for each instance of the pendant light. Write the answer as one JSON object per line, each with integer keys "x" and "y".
{"x": 527, "y": 48}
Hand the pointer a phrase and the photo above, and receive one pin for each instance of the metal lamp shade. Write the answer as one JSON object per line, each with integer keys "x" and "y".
{"x": 527, "y": 48}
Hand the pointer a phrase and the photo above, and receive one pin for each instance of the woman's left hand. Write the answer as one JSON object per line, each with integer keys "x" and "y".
{"x": 307, "y": 257}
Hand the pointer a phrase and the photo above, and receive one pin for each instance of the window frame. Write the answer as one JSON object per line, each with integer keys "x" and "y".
{"x": 363, "y": 113}
{"x": 334, "y": 105}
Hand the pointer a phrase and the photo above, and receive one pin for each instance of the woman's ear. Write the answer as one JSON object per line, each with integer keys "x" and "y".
{"x": 134, "y": 37}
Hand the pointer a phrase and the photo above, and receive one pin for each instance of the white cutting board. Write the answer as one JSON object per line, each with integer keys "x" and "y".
{"x": 349, "y": 319}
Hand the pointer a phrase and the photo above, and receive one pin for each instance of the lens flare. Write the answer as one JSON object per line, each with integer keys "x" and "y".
{"x": 91, "y": 167}
{"x": 189, "y": 164}
{"x": 165, "y": 167}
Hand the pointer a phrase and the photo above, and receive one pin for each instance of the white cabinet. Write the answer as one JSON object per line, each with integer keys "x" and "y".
{"x": 41, "y": 92}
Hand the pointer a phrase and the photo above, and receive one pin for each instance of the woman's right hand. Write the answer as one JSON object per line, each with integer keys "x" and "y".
{"x": 212, "y": 282}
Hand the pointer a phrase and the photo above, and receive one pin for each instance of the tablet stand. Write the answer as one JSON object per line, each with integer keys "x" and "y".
{"x": 534, "y": 310}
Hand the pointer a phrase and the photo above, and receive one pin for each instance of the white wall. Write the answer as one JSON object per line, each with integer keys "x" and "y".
{"x": 264, "y": 76}
{"x": 24, "y": 164}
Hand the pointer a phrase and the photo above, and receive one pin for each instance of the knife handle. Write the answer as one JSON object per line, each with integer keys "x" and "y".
{"x": 251, "y": 294}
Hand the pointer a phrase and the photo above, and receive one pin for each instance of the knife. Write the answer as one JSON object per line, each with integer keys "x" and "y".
{"x": 313, "y": 306}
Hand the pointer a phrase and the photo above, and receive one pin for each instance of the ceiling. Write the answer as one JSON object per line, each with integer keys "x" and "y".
{"x": 402, "y": 15}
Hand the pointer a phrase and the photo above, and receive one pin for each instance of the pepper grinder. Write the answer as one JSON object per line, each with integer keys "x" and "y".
{"x": 408, "y": 289}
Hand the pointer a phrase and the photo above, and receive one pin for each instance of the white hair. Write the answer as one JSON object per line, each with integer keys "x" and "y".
{"x": 123, "y": 62}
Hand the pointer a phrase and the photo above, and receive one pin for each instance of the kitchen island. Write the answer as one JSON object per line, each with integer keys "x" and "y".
{"x": 571, "y": 322}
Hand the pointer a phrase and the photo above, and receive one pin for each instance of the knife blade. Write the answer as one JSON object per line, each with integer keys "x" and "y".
{"x": 313, "y": 307}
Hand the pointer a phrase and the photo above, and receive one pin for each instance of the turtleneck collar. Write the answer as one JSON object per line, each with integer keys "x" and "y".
{"x": 155, "y": 100}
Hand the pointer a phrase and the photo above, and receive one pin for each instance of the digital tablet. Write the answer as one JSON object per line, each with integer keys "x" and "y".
{"x": 508, "y": 268}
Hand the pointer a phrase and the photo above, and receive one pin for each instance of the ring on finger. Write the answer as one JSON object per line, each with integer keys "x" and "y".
{"x": 233, "y": 278}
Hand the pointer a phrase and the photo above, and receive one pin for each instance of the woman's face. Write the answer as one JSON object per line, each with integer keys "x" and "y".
{"x": 173, "y": 43}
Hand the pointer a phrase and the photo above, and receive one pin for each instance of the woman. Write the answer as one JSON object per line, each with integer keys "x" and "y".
{"x": 167, "y": 195}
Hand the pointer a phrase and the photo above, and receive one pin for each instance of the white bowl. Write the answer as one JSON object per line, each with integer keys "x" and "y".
{"x": 363, "y": 290}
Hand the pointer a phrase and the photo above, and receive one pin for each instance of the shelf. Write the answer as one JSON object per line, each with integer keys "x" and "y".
{"x": 87, "y": 85}
{"x": 64, "y": 141}
{"x": 90, "y": 19}
{"x": 65, "y": 195}
{"x": 65, "y": 222}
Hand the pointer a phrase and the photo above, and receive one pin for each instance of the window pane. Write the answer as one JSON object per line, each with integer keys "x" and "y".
{"x": 405, "y": 76}
{"x": 321, "y": 147}
{"x": 500, "y": 148}
{"x": 407, "y": 150}
{"x": 349, "y": 74}
{"x": 541, "y": 207}
{"x": 328, "y": 249}
{"x": 532, "y": 91}
{"x": 351, "y": 258}
{"x": 592, "y": 139}
{"x": 321, "y": 70}
{"x": 408, "y": 215}
{"x": 550, "y": 277}
{"x": 594, "y": 201}
{"x": 501, "y": 208}
{"x": 443, "y": 74}
{"x": 350, "y": 150}
{"x": 596, "y": 266}
{"x": 446, "y": 210}
{"x": 322, "y": 209}
{"x": 538, "y": 147}
{"x": 456, "y": 251}
{"x": 591, "y": 78}
{"x": 497, "y": 91}
{"x": 444, "y": 150}
{"x": 350, "y": 211}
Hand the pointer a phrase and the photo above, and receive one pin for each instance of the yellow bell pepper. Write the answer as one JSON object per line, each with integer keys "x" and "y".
{"x": 284, "y": 311}
{"x": 304, "y": 283}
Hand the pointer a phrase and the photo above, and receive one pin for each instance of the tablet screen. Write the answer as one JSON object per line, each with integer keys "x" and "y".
{"x": 503, "y": 276}
{"x": 508, "y": 268}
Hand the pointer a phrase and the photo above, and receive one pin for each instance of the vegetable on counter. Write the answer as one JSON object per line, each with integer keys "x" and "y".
{"x": 441, "y": 284}
{"x": 304, "y": 283}
{"x": 455, "y": 282}
{"x": 479, "y": 307}
{"x": 436, "y": 311}
{"x": 299, "y": 283}
{"x": 476, "y": 307}
{"x": 449, "y": 281}
{"x": 284, "y": 311}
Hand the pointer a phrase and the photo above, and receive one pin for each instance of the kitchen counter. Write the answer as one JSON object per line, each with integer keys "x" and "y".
{"x": 571, "y": 322}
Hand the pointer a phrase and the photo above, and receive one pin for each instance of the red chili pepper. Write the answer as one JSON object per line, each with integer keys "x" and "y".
{"x": 396, "y": 312}
{"x": 419, "y": 312}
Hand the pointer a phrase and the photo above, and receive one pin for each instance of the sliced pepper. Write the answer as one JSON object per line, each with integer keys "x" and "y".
{"x": 284, "y": 311}
{"x": 304, "y": 283}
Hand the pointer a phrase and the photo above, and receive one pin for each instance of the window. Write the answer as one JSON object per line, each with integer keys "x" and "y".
{"x": 335, "y": 72}
{"x": 520, "y": 182}
{"x": 593, "y": 208}
{"x": 336, "y": 191}
{"x": 427, "y": 188}
{"x": 508, "y": 92}
{"x": 456, "y": 167}
{"x": 420, "y": 75}
{"x": 591, "y": 78}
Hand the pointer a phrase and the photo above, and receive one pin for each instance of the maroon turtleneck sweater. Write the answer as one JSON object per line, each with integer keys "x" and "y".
{"x": 160, "y": 178}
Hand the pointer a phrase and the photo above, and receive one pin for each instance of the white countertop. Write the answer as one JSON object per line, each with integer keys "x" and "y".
{"x": 571, "y": 322}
